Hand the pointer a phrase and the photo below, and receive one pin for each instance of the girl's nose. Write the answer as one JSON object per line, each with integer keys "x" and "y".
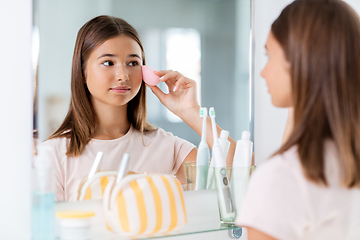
{"x": 262, "y": 73}
{"x": 122, "y": 74}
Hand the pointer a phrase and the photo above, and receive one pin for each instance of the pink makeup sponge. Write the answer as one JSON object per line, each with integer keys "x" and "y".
{"x": 149, "y": 77}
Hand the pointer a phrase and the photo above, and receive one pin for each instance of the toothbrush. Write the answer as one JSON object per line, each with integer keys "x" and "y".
{"x": 122, "y": 167}
{"x": 203, "y": 156}
{"x": 96, "y": 165}
{"x": 227, "y": 213}
{"x": 211, "y": 177}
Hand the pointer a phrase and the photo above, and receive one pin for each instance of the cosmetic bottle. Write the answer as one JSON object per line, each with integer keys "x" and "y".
{"x": 43, "y": 198}
{"x": 224, "y": 144}
{"x": 241, "y": 170}
{"x": 74, "y": 225}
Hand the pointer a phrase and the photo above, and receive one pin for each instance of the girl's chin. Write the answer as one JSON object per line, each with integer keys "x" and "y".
{"x": 281, "y": 103}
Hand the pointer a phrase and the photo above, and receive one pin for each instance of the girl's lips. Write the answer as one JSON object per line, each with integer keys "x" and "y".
{"x": 120, "y": 89}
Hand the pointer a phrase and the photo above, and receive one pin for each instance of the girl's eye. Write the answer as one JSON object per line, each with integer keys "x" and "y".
{"x": 108, "y": 63}
{"x": 133, "y": 63}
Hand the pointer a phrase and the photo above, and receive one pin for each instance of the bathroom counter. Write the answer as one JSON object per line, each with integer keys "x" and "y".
{"x": 198, "y": 233}
{"x": 202, "y": 215}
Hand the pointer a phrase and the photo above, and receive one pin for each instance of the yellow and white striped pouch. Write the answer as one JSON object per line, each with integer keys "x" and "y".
{"x": 145, "y": 205}
{"x": 93, "y": 188}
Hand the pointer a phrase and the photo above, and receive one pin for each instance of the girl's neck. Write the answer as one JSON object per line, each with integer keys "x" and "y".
{"x": 112, "y": 122}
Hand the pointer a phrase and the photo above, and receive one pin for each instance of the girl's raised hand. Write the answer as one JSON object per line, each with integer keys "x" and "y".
{"x": 181, "y": 99}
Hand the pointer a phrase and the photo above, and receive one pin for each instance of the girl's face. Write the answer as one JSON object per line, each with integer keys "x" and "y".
{"x": 113, "y": 72}
{"x": 277, "y": 74}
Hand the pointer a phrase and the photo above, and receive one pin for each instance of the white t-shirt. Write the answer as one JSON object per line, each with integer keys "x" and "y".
{"x": 157, "y": 151}
{"x": 282, "y": 203}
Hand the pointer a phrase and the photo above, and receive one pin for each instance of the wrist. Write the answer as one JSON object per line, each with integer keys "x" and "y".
{"x": 190, "y": 114}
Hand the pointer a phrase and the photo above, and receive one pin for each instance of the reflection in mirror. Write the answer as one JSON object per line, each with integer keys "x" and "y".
{"x": 205, "y": 40}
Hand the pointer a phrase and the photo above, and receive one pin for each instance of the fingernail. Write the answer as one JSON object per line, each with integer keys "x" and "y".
{"x": 174, "y": 89}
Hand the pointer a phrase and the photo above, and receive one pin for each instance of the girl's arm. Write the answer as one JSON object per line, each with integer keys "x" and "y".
{"x": 181, "y": 171}
{"x": 182, "y": 101}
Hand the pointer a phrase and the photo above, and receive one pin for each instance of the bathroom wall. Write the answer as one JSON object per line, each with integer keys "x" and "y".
{"x": 269, "y": 120}
{"x": 16, "y": 118}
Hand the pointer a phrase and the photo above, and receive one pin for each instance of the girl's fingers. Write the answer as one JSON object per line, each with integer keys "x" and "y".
{"x": 168, "y": 75}
{"x": 182, "y": 80}
{"x": 162, "y": 72}
{"x": 173, "y": 79}
{"x": 170, "y": 85}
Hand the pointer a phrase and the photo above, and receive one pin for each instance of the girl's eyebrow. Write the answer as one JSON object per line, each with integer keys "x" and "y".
{"x": 112, "y": 55}
{"x": 135, "y": 55}
{"x": 107, "y": 55}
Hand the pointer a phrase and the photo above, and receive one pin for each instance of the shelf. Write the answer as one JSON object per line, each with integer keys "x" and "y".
{"x": 201, "y": 208}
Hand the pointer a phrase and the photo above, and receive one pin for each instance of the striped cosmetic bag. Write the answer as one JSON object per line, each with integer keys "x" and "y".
{"x": 93, "y": 188}
{"x": 144, "y": 205}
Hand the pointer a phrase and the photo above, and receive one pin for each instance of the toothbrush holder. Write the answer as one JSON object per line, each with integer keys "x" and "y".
{"x": 191, "y": 170}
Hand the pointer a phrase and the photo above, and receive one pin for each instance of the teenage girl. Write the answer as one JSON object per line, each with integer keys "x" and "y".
{"x": 108, "y": 110}
{"x": 309, "y": 189}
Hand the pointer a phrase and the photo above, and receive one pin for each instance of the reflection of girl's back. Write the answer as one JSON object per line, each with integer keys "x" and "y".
{"x": 108, "y": 110}
{"x": 310, "y": 189}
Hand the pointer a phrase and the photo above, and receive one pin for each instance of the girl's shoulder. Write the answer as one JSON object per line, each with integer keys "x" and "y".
{"x": 288, "y": 165}
{"x": 57, "y": 146}
{"x": 56, "y": 142}
{"x": 283, "y": 167}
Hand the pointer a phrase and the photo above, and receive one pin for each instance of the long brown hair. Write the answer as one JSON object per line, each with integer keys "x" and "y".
{"x": 321, "y": 40}
{"x": 80, "y": 122}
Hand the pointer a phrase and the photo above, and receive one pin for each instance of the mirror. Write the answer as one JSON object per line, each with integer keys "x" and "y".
{"x": 206, "y": 40}
{"x": 210, "y": 41}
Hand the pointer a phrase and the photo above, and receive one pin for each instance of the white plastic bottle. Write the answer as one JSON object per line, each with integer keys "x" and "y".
{"x": 241, "y": 169}
{"x": 224, "y": 144}
{"x": 243, "y": 152}
{"x": 43, "y": 198}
